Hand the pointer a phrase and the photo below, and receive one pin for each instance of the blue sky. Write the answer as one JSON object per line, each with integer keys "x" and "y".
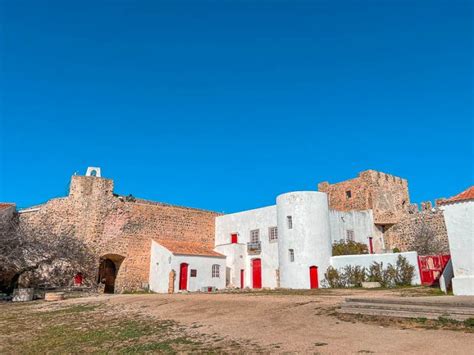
{"x": 225, "y": 104}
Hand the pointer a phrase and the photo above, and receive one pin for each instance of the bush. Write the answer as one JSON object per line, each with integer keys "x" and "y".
{"x": 352, "y": 276}
{"x": 333, "y": 277}
{"x": 348, "y": 248}
{"x": 405, "y": 272}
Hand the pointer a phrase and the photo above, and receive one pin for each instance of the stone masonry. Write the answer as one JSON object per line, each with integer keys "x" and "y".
{"x": 121, "y": 228}
{"x": 386, "y": 195}
{"x": 395, "y": 219}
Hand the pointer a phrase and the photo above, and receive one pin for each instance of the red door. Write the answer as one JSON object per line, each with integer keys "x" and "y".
{"x": 371, "y": 246}
{"x": 257, "y": 273}
{"x": 242, "y": 278}
{"x": 183, "y": 276}
{"x": 431, "y": 267}
{"x": 313, "y": 277}
{"x": 233, "y": 238}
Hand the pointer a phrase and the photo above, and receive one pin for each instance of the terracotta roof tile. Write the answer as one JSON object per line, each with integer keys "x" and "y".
{"x": 4, "y": 205}
{"x": 188, "y": 248}
{"x": 463, "y": 196}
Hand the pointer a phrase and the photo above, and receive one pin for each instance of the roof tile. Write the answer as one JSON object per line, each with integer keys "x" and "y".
{"x": 188, "y": 248}
{"x": 463, "y": 196}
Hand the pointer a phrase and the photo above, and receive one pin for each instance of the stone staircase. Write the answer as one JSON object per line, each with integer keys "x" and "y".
{"x": 458, "y": 308}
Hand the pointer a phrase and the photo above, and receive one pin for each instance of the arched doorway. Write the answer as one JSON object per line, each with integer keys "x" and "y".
{"x": 108, "y": 270}
{"x": 313, "y": 277}
{"x": 256, "y": 273}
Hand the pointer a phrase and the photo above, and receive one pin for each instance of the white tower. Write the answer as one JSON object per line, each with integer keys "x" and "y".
{"x": 93, "y": 171}
{"x": 304, "y": 238}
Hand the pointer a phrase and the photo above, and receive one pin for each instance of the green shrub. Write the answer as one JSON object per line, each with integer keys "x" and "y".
{"x": 333, "y": 278}
{"x": 404, "y": 272}
{"x": 396, "y": 250}
{"x": 353, "y": 276}
{"x": 348, "y": 248}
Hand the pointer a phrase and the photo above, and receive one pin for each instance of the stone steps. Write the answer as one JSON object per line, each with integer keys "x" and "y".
{"x": 409, "y": 308}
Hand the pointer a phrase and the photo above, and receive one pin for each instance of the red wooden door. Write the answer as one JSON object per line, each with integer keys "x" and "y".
{"x": 233, "y": 238}
{"x": 313, "y": 277}
{"x": 183, "y": 276}
{"x": 242, "y": 278}
{"x": 257, "y": 273}
{"x": 371, "y": 245}
{"x": 431, "y": 267}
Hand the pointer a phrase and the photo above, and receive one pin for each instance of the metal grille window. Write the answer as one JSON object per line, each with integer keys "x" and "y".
{"x": 255, "y": 236}
{"x": 215, "y": 270}
{"x": 272, "y": 233}
{"x": 350, "y": 235}
{"x": 193, "y": 273}
{"x": 291, "y": 253}
{"x": 289, "y": 220}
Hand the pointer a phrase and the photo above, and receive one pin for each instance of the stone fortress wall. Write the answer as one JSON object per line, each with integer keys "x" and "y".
{"x": 120, "y": 228}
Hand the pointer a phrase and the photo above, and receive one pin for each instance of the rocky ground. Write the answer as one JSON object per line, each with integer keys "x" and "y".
{"x": 265, "y": 321}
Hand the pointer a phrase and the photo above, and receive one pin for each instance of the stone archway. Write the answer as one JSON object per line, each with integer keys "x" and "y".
{"x": 108, "y": 269}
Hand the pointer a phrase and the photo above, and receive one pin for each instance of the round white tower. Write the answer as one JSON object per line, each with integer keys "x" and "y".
{"x": 304, "y": 238}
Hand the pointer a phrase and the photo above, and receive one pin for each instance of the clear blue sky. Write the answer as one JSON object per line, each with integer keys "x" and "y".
{"x": 225, "y": 104}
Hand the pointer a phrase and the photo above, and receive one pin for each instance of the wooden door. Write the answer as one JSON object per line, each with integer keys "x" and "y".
{"x": 183, "y": 276}
{"x": 257, "y": 273}
{"x": 242, "y": 278}
{"x": 313, "y": 277}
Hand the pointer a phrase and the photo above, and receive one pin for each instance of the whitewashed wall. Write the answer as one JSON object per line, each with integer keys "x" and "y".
{"x": 310, "y": 237}
{"x": 242, "y": 223}
{"x": 366, "y": 260}
{"x": 160, "y": 267}
{"x": 459, "y": 219}
{"x": 203, "y": 265}
{"x": 236, "y": 260}
{"x": 162, "y": 261}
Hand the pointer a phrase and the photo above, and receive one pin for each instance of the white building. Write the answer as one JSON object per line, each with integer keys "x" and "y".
{"x": 185, "y": 266}
{"x": 459, "y": 219}
{"x": 289, "y": 244}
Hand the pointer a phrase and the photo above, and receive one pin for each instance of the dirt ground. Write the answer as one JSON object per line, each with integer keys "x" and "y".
{"x": 269, "y": 322}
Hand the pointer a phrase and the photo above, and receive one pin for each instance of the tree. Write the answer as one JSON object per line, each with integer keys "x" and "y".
{"x": 425, "y": 240}
{"x": 44, "y": 252}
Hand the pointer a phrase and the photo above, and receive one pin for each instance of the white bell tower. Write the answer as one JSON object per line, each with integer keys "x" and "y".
{"x": 93, "y": 171}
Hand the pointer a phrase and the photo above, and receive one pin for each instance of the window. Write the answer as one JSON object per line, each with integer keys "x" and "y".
{"x": 272, "y": 234}
{"x": 193, "y": 273}
{"x": 234, "y": 238}
{"x": 350, "y": 235}
{"x": 215, "y": 270}
{"x": 348, "y": 194}
{"x": 291, "y": 253}
{"x": 289, "y": 221}
{"x": 255, "y": 236}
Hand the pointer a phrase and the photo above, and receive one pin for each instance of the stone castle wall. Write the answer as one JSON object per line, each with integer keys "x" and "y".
{"x": 403, "y": 234}
{"x": 385, "y": 194}
{"x": 121, "y": 227}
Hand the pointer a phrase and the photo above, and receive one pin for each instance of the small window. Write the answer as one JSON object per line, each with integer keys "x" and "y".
{"x": 193, "y": 273}
{"x": 291, "y": 253}
{"x": 272, "y": 234}
{"x": 215, "y": 270}
{"x": 255, "y": 236}
{"x": 234, "y": 238}
{"x": 289, "y": 221}
{"x": 350, "y": 235}
{"x": 348, "y": 194}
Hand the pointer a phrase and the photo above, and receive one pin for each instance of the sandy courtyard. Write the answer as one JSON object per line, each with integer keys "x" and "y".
{"x": 303, "y": 323}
